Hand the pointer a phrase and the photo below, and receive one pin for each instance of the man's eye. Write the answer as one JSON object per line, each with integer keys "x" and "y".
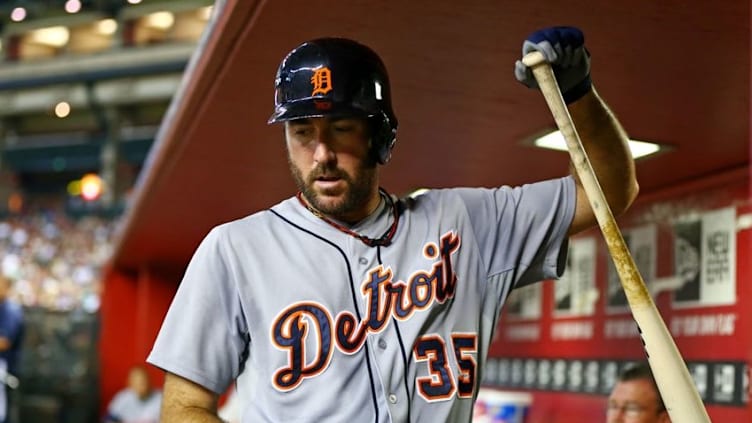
{"x": 344, "y": 128}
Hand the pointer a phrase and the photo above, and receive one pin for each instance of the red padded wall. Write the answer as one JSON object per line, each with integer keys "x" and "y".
{"x": 714, "y": 340}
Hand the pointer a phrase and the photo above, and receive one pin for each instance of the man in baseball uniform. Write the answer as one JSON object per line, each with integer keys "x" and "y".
{"x": 344, "y": 303}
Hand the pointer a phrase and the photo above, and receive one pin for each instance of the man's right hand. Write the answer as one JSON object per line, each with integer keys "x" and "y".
{"x": 564, "y": 48}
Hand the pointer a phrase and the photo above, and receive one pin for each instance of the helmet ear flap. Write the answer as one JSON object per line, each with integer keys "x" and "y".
{"x": 383, "y": 139}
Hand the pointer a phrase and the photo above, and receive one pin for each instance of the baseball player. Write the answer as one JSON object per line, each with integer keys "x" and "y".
{"x": 345, "y": 303}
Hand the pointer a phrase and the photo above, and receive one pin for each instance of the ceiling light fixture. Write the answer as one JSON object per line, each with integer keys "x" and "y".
{"x": 161, "y": 20}
{"x": 53, "y": 36}
{"x": 555, "y": 141}
{"x": 62, "y": 109}
{"x": 107, "y": 26}
{"x": 205, "y": 12}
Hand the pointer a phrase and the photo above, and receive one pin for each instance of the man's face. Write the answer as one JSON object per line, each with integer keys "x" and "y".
{"x": 330, "y": 162}
{"x": 635, "y": 401}
{"x": 138, "y": 381}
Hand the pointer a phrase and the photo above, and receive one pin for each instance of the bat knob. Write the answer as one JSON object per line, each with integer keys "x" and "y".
{"x": 533, "y": 59}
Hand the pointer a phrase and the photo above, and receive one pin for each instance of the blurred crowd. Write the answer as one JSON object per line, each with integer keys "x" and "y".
{"x": 53, "y": 260}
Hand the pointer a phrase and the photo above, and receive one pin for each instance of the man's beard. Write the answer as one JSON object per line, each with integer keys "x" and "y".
{"x": 356, "y": 195}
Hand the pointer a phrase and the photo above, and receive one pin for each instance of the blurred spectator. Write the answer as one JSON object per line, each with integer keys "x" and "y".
{"x": 635, "y": 398}
{"x": 55, "y": 261}
{"x": 138, "y": 403}
{"x": 11, "y": 334}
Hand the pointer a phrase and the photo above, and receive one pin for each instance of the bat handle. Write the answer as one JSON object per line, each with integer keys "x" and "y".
{"x": 675, "y": 384}
{"x": 533, "y": 59}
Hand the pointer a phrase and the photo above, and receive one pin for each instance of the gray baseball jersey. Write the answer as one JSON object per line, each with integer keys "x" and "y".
{"x": 325, "y": 328}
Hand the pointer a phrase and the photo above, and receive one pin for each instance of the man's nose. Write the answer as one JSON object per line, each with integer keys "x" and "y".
{"x": 323, "y": 152}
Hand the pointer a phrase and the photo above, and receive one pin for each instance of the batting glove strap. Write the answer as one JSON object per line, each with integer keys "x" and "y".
{"x": 564, "y": 48}
{"x": 578, "y": 91}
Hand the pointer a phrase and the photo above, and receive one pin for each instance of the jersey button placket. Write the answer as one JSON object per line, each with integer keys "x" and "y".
{"x": 393, "y": 398}
{"x": 382, "y": 344}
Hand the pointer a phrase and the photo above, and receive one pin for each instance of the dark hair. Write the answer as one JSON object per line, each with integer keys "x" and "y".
{"x": 640, "y": 371}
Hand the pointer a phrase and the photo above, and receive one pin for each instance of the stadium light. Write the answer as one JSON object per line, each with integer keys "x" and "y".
{"x": 18, "y": 14}
{"x": 160, "y": 20}
{"x": 205, "y": 12}
{"x": 53, "y": 36}
{"x": 73, "y": 6}
{"x": 107, "y": 26}
{"x": 91, "y": 186}
{"x": 62, "y": 109}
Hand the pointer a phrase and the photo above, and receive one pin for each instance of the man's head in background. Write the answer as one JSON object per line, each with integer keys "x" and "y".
{"x": 139, "y": 382}
{"x": 635, "y": 398}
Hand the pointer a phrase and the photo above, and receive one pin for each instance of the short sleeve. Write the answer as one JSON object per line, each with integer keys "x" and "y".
{"x": 523, "y": 229}
{"x": 204, "y": 336}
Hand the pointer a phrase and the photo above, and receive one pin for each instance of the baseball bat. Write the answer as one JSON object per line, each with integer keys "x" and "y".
{"x": 675, "y": 384}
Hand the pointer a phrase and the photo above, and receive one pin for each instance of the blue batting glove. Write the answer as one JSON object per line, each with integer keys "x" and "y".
{"x": 564, "y": 48}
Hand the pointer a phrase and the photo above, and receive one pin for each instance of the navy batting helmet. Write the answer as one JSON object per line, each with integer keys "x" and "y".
{"x": 337, "y": 77}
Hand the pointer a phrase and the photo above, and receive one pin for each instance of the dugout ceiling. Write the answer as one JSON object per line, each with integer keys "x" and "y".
{"x": 675, "y": 72}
